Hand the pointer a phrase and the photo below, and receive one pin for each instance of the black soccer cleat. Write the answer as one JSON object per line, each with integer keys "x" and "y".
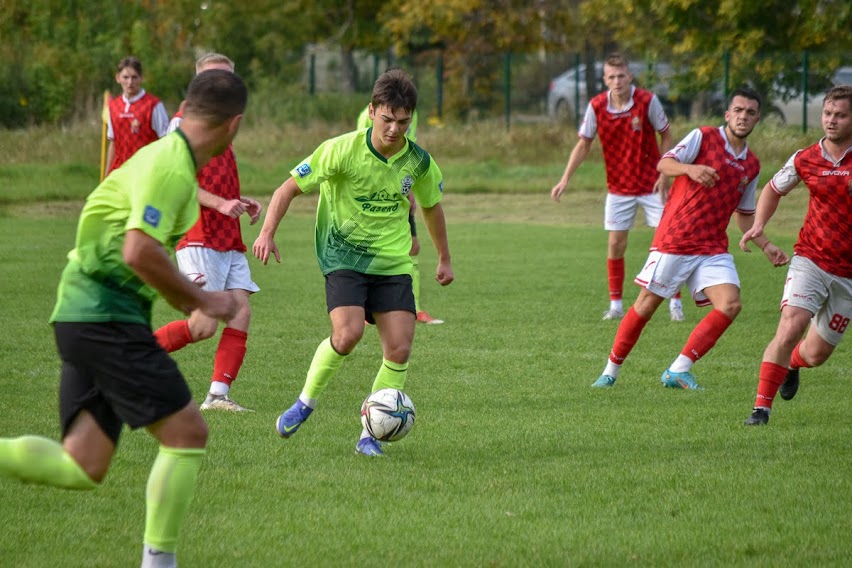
{"x": 790, "y": 386}
{"x": 759, "y": 417}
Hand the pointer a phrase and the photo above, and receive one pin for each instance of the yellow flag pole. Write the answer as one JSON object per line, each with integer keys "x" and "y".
{"x": 104, "y": 120}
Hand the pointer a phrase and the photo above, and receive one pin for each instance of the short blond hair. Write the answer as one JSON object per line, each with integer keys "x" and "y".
{"x": 214, "y": 58}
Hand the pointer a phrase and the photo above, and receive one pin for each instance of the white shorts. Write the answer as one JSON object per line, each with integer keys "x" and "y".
{"x": 620, "y": 210}
{"x": 826, "y": 296}
{"x": 218, "y": 270}
{"x": 665, "y": 274}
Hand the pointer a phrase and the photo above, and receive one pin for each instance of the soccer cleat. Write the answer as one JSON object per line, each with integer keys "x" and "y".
{"x": 604, "y": 381}
{"x": 613, "y": 315}
{"x": 222, "y": 402}
{"x": 289, "y": 422}
{"x": 683, "y": 380}
{"x": 424, "y": 317}
{"x": 676, "y": 312}
{"x": 759, "y": 417}
{"x": 790, "y": 385}
{"x": 369, "y": 447}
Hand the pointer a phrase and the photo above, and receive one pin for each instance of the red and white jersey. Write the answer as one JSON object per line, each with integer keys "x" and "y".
{"x": 695, "y": 218}
{"x": 826, "y": 235}
{"x": 214, "y": 230}
{"x": 629, "y": 140}
{"x": 134, "y": 123}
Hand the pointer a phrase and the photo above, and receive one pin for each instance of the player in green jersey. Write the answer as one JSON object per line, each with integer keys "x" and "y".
{"x": 113, "y": 370}
{"x": 363, "y": 239}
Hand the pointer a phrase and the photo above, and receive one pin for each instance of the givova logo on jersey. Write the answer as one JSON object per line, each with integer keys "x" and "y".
{"x": 378, "y": 202}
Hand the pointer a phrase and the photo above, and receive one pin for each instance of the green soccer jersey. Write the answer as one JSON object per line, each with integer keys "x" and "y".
{"x": 362, "y": 215}
{"x": 156, "y": 192}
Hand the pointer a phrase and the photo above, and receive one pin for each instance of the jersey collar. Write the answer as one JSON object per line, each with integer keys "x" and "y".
{"x": 188, "y": 147}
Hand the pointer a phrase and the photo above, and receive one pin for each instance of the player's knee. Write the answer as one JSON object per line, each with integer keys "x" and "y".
{"x": 345, "y": 340}
{"x": 202, "y": 329}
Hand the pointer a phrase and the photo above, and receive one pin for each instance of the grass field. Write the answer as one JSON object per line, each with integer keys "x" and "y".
{"x": 513, "y": 461}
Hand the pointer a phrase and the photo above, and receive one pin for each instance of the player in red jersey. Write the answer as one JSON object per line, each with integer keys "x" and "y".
{"x": 715, "y": 177}
{"x": 818, "y": 289}
{"x": 213, "y": 253}
{"x": 627, "y": 119}
{"x": 136, "y": 118}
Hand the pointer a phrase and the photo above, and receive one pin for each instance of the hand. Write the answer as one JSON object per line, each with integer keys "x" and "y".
{"x": 444, "y": 274}
{"x": 253, "y": 208}
{"x": 662, "y": 186}
{"x": 263, "y": 246}
{"x": 219, "y": 305}
{"x": 415, "y": 246}
{"x": 232, "y": 208}
{"x": 705, "y": 175}
{"x": 775, "y": 255}
{"x": 753, "y": 233}
{"x": 558, "y": 190}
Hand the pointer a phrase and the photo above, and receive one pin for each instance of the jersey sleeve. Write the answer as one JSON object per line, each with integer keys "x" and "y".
{"x": 316, "y": 168}
{"x": 429, "y": 189}
{"x": 687, "y": 149}
{"x": 657, "y": 115}
{"x": 163, "y": 206}
{"x": 160, "y": 120}
{"x": 787, "y": 177}
{"x": 589, "y": 126}
{"x": 173, "y": 125}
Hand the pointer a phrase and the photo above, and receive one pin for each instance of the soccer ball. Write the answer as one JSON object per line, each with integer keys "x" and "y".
{"x": 388, "y": 415}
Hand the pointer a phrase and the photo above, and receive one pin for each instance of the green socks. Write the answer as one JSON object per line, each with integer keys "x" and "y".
{"x": 324, "y": 366}
{"x": 169, "y": 493}
{"x": 33, "y": 459}
{"x": 390, "y": 376}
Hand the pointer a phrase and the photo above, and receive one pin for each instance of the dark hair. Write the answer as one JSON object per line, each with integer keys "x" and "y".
{"x": 839, "y": 93}
{"x": 395, "y": 89}
{"x": 616, "y": 60}
{"x": 216, "y": 96}
{"x": 746, "y": 92}
{"x": 131, "y": 62}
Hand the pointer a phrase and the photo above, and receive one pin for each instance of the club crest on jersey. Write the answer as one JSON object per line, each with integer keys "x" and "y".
{"x": 303, "y": 169}
{"x": 407, "y": 182}
{"x": 134, "y": 126}
{"x": 636, "y": 124}
{"x": 743, "y": 184}
{"x": 849, "y": 187}
{"x": 152, "y": 215}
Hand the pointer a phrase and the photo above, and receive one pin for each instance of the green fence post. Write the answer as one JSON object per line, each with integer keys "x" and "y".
{"x": 312, "y": 74}
{"x": 507, "y": 86}
{"x": 439, "y": 86}
{"x": 805, "y": 91}
{"x": 577, "y": 89}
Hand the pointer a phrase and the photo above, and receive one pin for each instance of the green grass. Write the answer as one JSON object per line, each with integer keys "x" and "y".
{"x": 513, "y": 461}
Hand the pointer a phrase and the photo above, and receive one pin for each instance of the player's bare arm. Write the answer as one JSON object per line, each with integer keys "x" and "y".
{"x": 150, "y": 261}
{"x": 773, "y": 253}
{"x": 767, "y": 204}
{"x": 705, "y": 175}
{"x": 578, "y": 156}
{"x": 664, "y": 182}
{"x": 229, "y": 207}
{"x": 264, "y": 245}
{"x": 436, "y": 224}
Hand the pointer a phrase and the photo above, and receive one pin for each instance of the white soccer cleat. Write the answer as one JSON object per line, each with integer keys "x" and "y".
{"x": 676, "y": 312}
{"x": 613, "y": 315}
{"x": 222, "y": 402}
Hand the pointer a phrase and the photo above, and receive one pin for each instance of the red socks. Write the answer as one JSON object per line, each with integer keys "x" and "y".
{"x": 626, "y": 336}
{"x": 229, "y": 355}
{"x": 771, "y": 378}
{"x": 615, "y": 274}
{"x": 174, "y": 335}
{"x": 796, "y": 361}
{"x": 706, "y": 334}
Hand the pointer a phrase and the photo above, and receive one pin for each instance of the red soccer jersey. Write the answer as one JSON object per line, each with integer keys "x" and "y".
{"x": 629, "y": 144}
{"x": 826, "y": 235}
{"x": 695, "y": 218}
{"x": 131, "y": 126}
{"x": 214, "y": 230}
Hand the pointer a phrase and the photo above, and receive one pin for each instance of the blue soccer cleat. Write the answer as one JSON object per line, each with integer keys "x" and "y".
{"x": 684, "y": 380}
{"x": 369, "y": 446}
{"x": 289, "y": 422}
{"x": 604, "y": 381}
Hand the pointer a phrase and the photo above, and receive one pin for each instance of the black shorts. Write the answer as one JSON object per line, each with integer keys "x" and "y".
{"x": 374, "y": 293}
{"x": 119, "y": 373}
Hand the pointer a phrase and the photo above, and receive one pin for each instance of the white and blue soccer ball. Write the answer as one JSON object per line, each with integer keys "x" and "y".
{"x": 388, "y": 415}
